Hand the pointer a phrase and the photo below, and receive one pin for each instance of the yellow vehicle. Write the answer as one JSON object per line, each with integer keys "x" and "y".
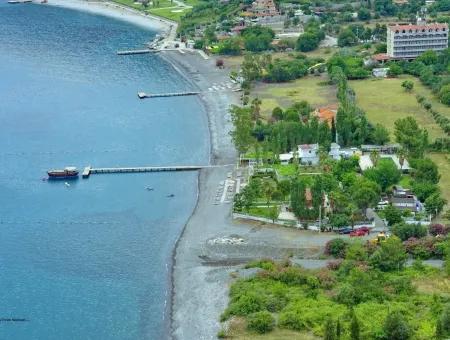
{"x": 381, "y": 237}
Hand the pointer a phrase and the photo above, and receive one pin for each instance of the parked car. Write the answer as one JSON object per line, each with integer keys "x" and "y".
{"x": 365, "y": 229}
{"x": 358, "y": 233}
{"x": 346, "y": 230}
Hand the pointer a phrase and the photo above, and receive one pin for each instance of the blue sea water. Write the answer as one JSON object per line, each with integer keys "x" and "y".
{"x": 89, "y": 260}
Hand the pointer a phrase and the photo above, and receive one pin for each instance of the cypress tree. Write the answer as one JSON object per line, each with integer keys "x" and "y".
{"x": 439, "y": 332}
{"x": 329, "y": 333}
{"x": 354, "y": 327}
{"x": 338, "y": 329}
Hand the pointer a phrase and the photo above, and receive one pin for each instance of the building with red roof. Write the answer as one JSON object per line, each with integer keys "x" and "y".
{"x": 408, "y": 41}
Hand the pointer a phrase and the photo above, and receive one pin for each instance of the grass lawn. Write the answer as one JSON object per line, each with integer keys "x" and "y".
{"x": 285, "y": 170}
{"x": 166, "y": 8}
{"x": 173, "y": 13}
{"x": 443, "y": 162}
{"x": 260, "y": 211}
{"x": 313, "y": 89}
{"x": 385, "y": 101}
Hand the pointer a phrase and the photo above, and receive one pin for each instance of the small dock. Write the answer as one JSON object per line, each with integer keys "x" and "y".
{"x": 143, "y": 95}
{"x": 89, "y": 170}
{"x": 131, "y": 52}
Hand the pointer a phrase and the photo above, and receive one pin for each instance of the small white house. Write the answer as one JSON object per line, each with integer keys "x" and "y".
{"x": 335, "y": 151}
{"x": 286, "y": 158}
{"x": 380, "y": 72}
{"x": 308, "y": 154}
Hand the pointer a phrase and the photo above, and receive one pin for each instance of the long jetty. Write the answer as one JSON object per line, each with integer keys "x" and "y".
{"x": 89, "y": 170}
{"x": 143, "y": 95}
{"x": 130, "y": 52}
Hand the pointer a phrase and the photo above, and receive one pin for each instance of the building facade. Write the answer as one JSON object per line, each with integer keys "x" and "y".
{"x": 410, "y": 41}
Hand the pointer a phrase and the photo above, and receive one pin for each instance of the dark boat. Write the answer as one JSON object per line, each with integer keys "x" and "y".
{"x": 69, "y": 172}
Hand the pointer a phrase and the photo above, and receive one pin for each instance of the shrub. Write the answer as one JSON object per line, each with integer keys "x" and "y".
{"x": 292, "y": 276}
{"x": 260, "y": 322}
{"x": 438, "y": 229}
{"x": 266, "y": 264}
{"x": 405, "y": 231}
{"x": 336, "y": 247}
{"x": 396, "y": 327}
{"x": 334, "y": 265}
{"x": 245, "y": 304}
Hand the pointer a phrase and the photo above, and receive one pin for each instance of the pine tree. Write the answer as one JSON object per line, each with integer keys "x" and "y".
{"x": 354, "y": 327}
{"x": 329, "y": 333}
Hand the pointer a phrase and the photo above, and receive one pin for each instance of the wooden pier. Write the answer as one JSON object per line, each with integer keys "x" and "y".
{"x": 143, "y": 95}
{"x": 89, "y": 170}
{"x": 131, "y": 52}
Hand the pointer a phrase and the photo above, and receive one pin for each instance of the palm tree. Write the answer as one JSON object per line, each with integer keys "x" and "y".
{"x": 401, "y": 158}
{"x": 268, "y": 192}
{"x": 374, "y": 157}
{"x": 256, "y": 108}
{"x": 353, "y": 210}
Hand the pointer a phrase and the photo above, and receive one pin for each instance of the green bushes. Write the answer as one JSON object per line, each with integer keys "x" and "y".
{"x": 405, "y": 231}
{"x": 336, "y": 247}
{"x": 260, "y": 322}
{"x": 365, "y": 300}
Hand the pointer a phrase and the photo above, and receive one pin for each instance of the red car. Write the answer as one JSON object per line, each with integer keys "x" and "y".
{"x": 365, "y": 229}
{"x": 358, "y": 232}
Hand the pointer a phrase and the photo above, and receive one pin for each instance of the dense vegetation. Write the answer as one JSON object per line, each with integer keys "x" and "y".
{"x": 336, "y": 302}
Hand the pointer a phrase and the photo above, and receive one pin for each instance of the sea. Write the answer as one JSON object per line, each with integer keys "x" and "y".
{"x": 89, "y": 258}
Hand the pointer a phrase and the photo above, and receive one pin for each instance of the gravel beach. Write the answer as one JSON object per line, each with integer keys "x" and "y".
{"x": 212, "y": 244}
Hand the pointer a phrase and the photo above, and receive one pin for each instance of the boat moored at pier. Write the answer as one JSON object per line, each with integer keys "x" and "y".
{"x": 68, "y": 172}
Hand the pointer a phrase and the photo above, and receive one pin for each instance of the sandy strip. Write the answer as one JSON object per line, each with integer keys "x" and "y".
{"x": 117, "y": 11}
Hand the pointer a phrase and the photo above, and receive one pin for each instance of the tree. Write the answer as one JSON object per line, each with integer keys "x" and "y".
{"x": 380, "y": 135}
{"x": 365, "y": 193}
{"x": 447, "y": 257}
{"x": 363, "y": 14}
{"x": 425, "y": 170}
{"x": 392, "y": 215}
{"x": 308, "y": 41}
{"x": 408, "y": 85}
{"x": 273, "y": 213}
{"x": 338, "y": 329}
{"x": 444, "y": 322}
{"x": 242, "y": 132}
{"x": 257, "y": 38}
{"x": 354, "y": 327}
{"x": 394, "y": 70}
{"x": 329, "y": 329}
{"x": 423, "y": 190}
{"x": 231, "y": 46}
{"x": 385, "y": 174}
{"x": 429, "y": 57}
{"x": 396, "y": 327}
{"x": 435, "y": 203}
{"x": 390, "y": 255}
{"x": 347, "y": 38}
{"x": 410, "y": 136}
{"x": 374, "y": 157}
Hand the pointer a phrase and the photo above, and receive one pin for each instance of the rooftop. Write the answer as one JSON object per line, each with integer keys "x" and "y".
{"x": 396, "y": 27}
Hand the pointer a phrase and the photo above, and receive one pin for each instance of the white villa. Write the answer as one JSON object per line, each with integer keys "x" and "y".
{"x": 308, "y": 154}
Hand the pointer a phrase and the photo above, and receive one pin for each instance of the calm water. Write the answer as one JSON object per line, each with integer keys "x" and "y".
{"x": 88, "y": 261}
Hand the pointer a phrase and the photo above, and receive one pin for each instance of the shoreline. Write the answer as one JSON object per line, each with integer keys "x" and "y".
{"x": 199, "y": 272}
{"x": 201, "y": 74}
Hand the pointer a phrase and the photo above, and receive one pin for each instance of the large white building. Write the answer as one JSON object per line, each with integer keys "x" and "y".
{"x": 409, "y": 41}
